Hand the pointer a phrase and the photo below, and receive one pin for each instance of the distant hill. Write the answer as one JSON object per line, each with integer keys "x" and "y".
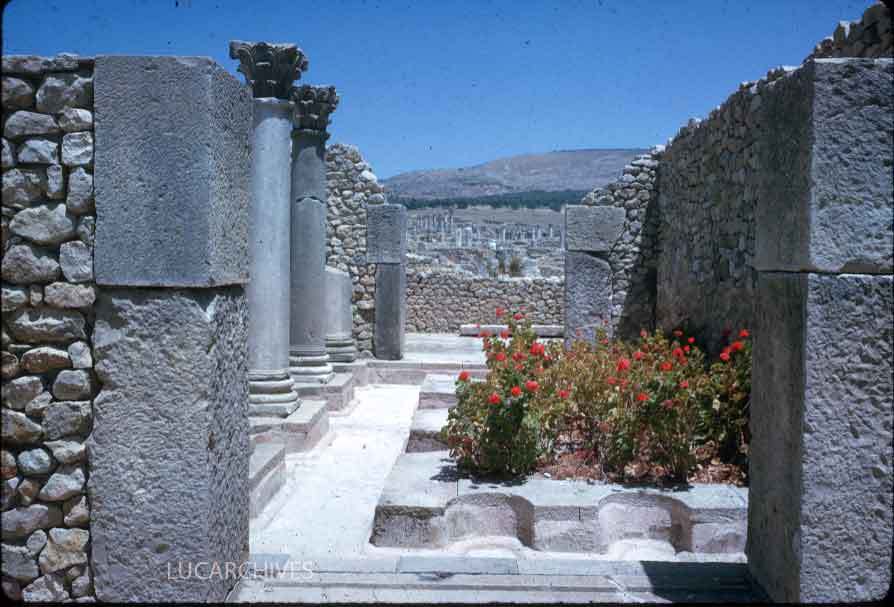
{"x": 565, "y": 172}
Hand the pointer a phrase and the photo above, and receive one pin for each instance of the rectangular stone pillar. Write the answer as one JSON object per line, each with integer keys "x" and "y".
{"x": 386, "y": 242}
{"x": 169, "y": 450}
{"x": 820, "y": 502}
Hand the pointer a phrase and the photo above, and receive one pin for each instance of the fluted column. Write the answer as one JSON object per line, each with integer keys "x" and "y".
{"x": 270, "y": 69}
{"x": 307, "y": 350}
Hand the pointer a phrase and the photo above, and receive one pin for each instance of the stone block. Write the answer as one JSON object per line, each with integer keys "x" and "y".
{"x": 391, "y": 311}
{"x": 819, "y": 521}
{"x": 169, "y": 451}
{"x": 593, "y": 229}
{"x": 828, "y": 203}
{"x": 386, "y": 233}
{"x": 172, "y": 172}
{"x": 588, "y": 295}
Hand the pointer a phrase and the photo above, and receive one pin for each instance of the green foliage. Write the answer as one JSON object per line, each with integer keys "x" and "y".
{"x": 534, "y": 199}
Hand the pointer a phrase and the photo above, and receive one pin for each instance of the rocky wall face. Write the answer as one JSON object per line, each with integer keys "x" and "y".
{"x": 869, "y": 37}
{"x": 352, "y": 187}
{"x": 439, "y": 302}
{"x": 48, "y": 315}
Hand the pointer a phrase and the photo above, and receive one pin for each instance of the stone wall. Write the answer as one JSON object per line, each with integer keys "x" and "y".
{"x": 352, "y": 186}
{"x": 48, "y": 317}
{"x": 868, "y": 37}
{"x": 439, "y": 302}
{"x": 633, "y": 255}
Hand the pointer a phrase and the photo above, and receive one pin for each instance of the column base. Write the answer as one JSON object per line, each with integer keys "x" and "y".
{"x": 311, "y": 369}
{"x": 272, "y": 388}
{"x": 341, "y": 350}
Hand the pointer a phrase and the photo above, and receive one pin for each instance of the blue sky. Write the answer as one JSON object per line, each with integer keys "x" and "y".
{"x": 446, "y": 84}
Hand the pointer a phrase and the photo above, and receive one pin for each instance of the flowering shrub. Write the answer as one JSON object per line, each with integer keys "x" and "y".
{"x": 493, "y": 429}
{"x": 653, "y": 408}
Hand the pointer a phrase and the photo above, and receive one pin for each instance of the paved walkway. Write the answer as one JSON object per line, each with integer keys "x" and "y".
{"x": 442, "y": 348}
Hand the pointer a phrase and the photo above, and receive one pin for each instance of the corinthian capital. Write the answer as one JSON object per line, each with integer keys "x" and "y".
{"x": 269, "y": 68}
{"x": 313, "y": 106}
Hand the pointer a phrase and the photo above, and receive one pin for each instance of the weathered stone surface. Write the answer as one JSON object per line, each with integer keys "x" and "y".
{"x": 35, "y": 295}
{"x": 11, "y": 589}
{"x": 588, "y": 289}
{"x": 77, "y": 149}
{"x": 67, "y": 451}
{"x": 8, "y": 154}
{"x": 391, "y": 311}
{"x": 24, "y": 264}
{"x": 33, "y": 65}
{"x": 19, "y": 564}
{"x": 39, "y": 151}
{"x": 75, "y": 119}
{"x": 21, "y": 522}
{"x": 13, "y": 298}
{"x": 824, "y": 346}
{"x": 189, "y": 191}
{"x": 82, "y": 585}
{"x": 65, "y": 548}
{"x": 9, "y": 365}
{"x": 386, "y": 233}
{"x": 60, "y": 91}
{"x": 45, "y": 589}
{"x": 22, "y": 186}
{"x": 86, "y": 231}
{"x": 64, "y": 295}
{"x": 45, "y": 358}
{"x": 35, "y": 462}
{"x": 8, "y": 493}
{"x": 81, "y": 357}
{"x": 828, "y": 206}
{"x": 77, "y": 514}
{"x": 36, "y": 542}
{"x": 179, "y": 395}
{"x": 76, "y": 260}
{"x": 8, "y": 466}
{"x": 593, "y": 229}
{"x": 44, "y": 224}
{"x": 47, "y": 325}
{"x": 27, "y": 493}
{"x": 23, "y": 124}
{"x": 18, "y": 429}
{"x": 38, "y": 405}
{"x": 74, "y": 384}
{"x": 67, "y": 418}
{"x": 66, "y": 482}
{"x": 80, "y": 192}
{"x": 55, "y": 182}
{"x": 19, "y": 391}
{"x": 17, "y": 94}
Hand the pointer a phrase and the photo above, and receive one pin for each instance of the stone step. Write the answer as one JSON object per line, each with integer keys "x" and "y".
{"x": 413, "y": 372}
{"x": 427, "y": 503}
{"x": 539, "y": 330}
{"x": 357, "y": 368}
{"x": 425, "y": 430}
{"x": 272, "y": 409}
{"x": 300, "y": 431}
{"x": 338, "y": 392}
{"x": 266, "y": 474}
{"x": 438, "y": 391}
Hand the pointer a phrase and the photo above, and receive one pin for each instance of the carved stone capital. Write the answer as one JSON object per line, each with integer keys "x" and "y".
{"x": 313, "y": 107}
{"x": 270, "y": 69}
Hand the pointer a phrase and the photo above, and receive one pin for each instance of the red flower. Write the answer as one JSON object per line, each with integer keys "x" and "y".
{"x": 684, "y": 384}
{"x": 531, "y": 385}
{"x": 667, "y": 366}
{"x": 744, "y": 333}
{"x": 643, "y": 334}
{"x": 623, "y": 364}
{"x": 500, "y": 312}
{"x": 501, "y": 356}
{"x": 519, "y": 367}
{"x": 464, "y": 376}
{"x": 678, "y": 333}
{"x": 642, "y": 397}
{"x": 564, "y": 394}
{"x": 494, "y": 398}
{"x": 611, "y": 381}
{"x": 678, "y": 352}
{"x": 638, "y": 355}
{"x": 484, "y": 333}
{"x": 537, "y": 348}
{"x": 724, "y": 356}
{"x": 486, "y": 344}
{"x": 516, "y": 391}
{"x": 691, "y": 340}
{"x": 686, "y": 349}
{"x": 668, "y": 404}
{"x": 504, "y": 333}
{"x": 604, "y": 427}
{"x": 517, "y": 356}
{"x": 737, "y": 345}
{"x": 518, "y": 316}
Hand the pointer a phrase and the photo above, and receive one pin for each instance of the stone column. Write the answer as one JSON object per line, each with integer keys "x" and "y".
{"x": 270, "y": 70}
{"x": 386, "y": 241}
{"x": 169, "y": 448}
{"x": 308, "y": 358}
{"x": 591, "y": 234}
{"x": 819, "y": 514}
{"x": 339, "y": 319}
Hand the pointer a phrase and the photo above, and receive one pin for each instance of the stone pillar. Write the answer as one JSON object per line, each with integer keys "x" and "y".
{"x": 386, "y": 242}
{"x": 339, "y": 319}
{"x": 169, "y": 450}
{"x": 819, "y": 518}
{"x": 270, "y": 70}
{"x": 308, "y": 357}
{"x": 591, "y": 233}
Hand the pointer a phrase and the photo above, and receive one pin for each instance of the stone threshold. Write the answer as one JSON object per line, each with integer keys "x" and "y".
{"x": 426, "y": 503}
{"x": 539, "y": 330}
